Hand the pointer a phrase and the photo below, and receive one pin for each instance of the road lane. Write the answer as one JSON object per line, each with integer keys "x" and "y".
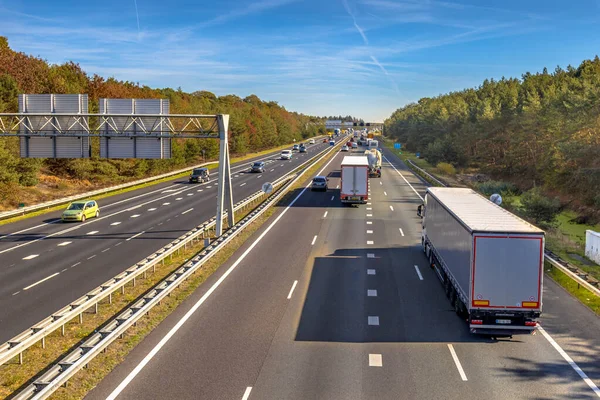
{"x": 319, "y": 344}
{"x": 161, "y": 226}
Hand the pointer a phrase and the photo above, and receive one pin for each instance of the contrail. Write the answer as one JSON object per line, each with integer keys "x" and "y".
{"x": 376, "y": 61}
{"x": 137, "y": 15}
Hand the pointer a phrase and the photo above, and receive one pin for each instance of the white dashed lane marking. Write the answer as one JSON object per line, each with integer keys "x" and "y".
{"x": 92, "y": 232}
{"x": 64, "y": 244}
{"x": 375, "y": 360}
{"x": 31, "y": 257}
{"x": 373, "y": 320}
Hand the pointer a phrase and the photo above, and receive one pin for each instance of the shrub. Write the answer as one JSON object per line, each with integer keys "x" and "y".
{"x": 503, "y": 188}
{"x": 446, "y": 168}
{"x": 539, "y": 207}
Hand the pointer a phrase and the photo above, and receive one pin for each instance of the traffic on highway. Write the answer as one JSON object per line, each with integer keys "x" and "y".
{"x": 355, "y": 312}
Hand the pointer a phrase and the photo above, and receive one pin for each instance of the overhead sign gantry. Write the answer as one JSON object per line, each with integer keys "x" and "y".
{"x": 60, "y": 126}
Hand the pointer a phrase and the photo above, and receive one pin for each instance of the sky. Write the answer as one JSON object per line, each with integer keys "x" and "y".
{"x": 364, "y": 58}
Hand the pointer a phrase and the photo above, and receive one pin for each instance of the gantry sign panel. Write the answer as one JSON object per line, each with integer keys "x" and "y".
{"x": 48, "y": 142}
{"x": 123, "y": 137}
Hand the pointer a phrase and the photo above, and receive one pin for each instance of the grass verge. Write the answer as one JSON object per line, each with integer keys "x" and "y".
{"x": 36, "y": 359}
{"x": 581, "y": 293}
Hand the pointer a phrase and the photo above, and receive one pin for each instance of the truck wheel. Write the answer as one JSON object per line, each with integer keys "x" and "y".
{"x": 430, "y": 257}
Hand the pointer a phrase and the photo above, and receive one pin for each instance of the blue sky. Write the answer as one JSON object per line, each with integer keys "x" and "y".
{"x": 360, "y": 57}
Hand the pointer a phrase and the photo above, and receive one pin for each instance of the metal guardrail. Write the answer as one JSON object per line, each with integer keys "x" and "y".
{"x": 573, "y": 272}
{"x": 433, "y": 178}
{"x": 15, "y": 346}
{"x": 69, "y": 365}
{"x": 65, "y": 200}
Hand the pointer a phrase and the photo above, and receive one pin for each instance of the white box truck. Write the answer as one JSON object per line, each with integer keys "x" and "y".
{"x": 490, "y": 261}
{"x": 355, "y": 180}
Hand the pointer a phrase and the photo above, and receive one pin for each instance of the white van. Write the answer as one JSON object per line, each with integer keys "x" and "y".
{"x": 286, "y": 155}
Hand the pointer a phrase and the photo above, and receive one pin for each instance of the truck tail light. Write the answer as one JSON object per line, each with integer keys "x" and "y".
{"x": 476, "y": 322}
{"x": 530, "y": 323}
{"x": 530, "y": 304}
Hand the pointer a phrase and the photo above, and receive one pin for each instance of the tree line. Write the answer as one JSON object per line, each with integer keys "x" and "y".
{"x": 542, "y": 131}
{"x": 254, "y": 124}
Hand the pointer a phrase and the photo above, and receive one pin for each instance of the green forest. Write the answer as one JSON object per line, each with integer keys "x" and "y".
{"x": 255, "y": 125}
{"x": 541, "y": 131}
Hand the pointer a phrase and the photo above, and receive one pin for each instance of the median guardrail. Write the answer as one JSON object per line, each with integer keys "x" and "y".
{"x": 579, "y": 276}
{"x": 58, "y": 319}
{"x": 63, "y": 370}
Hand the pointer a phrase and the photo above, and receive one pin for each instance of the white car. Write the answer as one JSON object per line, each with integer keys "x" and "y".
{"x": 286, "y": 155}
{"x": 344, "y": 148}
{"x": 354, "y": 145}
{"x": 311, "y": 141}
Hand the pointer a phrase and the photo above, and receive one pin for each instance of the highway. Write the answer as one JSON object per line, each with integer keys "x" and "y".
{"x": 333, "y": 302}
{"x": 45, "y": 264}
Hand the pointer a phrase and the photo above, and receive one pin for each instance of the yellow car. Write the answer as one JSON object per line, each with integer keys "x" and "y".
{"x": 81, "y": 210}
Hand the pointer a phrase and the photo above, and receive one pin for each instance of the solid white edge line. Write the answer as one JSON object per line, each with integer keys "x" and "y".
{"x": 418, "y": 272}
{"x": 457, "y": 362}
{"x": 192, "y": 310}
{"x": 41, "y": 280}
{"x": 247, "y": 393}
{"x": 570, "y": 361}
{"x": 314, "y": 240}
{"x": 399, "y": 173}
{"x": 292, "y": 290}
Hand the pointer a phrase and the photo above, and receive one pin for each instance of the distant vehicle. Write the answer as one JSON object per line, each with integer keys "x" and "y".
{"x": 199, "y": 175}
{"x": 345, "y": 148}
{"x": 349, "y": 144}
{"x": 302, "y": 148}
{"x": 258, "y": 166}
{"x": 325, "y": 140}
{"x": 355, "y": 180}
{"x": 286, "y": 155}
{"x": 354, "y": 145}
{"x": 331, "y": 143}
{"x": 295, "y": 148}
{"x": 311, "y": 141}
{"x": 80, "y": 211}
{"x": 336, "y": 132}
{"x": 373, "y": 144}
{"x": 319, "y": 183}
{"x": 490, "y": 261}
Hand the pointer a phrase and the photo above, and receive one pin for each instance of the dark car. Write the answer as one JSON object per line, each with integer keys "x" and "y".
{"x": 302, "y": 148}
{"x": 200, "y": 175}
{"x": 319, "y": 183}
{"x": 295, "y": 148}
{"x": 258, "y": 166}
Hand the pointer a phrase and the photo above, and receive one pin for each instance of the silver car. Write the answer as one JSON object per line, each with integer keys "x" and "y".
{"x": 319, "y": 183}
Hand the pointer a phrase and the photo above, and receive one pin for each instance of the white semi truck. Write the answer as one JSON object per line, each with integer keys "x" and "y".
{"x": 355, "y": 180}
{"x": 490, "y": 261}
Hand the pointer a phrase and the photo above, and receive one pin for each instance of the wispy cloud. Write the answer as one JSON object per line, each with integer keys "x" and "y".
{"x": 239, "y": 11}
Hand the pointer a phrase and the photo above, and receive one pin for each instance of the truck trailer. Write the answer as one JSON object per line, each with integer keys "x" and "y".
{"x": 355, "y": 180}
{"x": 490, "y": 261}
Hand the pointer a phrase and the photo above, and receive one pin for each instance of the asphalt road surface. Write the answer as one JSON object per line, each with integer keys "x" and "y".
{"x": 334, "y": 302}
{"x": 46, "y": 264}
